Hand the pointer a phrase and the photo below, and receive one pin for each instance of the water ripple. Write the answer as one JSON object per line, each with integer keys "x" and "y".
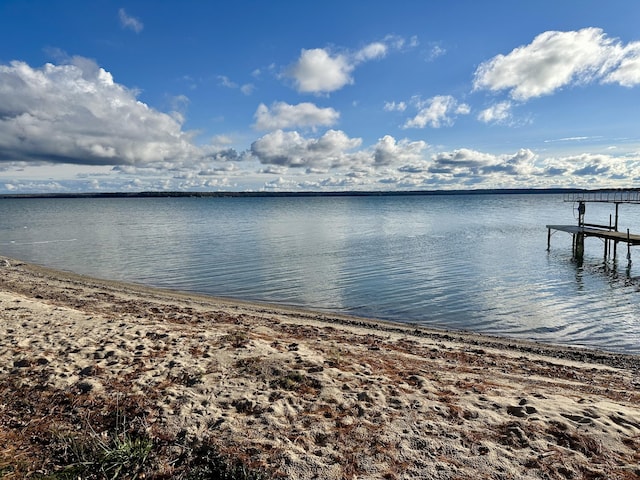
{"x": 464, "y": 262}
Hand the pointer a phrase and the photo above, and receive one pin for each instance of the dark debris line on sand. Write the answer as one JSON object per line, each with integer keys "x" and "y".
{"x": 577, "y": 354}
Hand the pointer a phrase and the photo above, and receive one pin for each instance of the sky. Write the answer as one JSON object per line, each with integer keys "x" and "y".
{"x": 160, "y": 95}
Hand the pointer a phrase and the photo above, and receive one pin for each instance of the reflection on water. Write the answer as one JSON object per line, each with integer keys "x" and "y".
{"x": 475, "y": 262}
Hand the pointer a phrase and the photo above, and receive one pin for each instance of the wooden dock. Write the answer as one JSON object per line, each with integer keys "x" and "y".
{"x": 608, "y": 233}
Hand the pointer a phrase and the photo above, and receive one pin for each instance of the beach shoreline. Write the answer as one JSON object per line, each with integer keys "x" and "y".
{"x": 303, "y": 394}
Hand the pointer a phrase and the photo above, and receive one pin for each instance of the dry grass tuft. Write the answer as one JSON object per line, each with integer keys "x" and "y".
{"x": 54, "y": 435}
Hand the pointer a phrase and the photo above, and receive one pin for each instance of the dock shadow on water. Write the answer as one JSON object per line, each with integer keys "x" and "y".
{"x": 619, "y": 274}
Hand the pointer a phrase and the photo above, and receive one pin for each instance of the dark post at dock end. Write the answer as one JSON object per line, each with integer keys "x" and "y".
{"x": 581, "y": 209}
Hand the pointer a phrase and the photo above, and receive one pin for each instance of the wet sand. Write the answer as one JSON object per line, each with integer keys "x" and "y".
{"x": 308, "y": 395}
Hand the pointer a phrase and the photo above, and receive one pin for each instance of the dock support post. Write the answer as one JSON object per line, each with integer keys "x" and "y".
{"x": 628, "y": 247}
{"x": 615, "y": 227}
{"x": 607, "y": 242}
{"x": 548, "y": 239}
{"x": 579, "y": 246}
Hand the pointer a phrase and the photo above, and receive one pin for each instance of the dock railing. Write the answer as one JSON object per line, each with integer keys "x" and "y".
{"x": 606, "y": 196}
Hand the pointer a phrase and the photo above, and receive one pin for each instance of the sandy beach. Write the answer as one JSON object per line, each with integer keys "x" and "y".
{"x": 299, "y": 394}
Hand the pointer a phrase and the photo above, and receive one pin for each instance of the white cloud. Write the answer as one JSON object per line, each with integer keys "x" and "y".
{"x": 498, "y": 113}
{"x": 569, "y": 139}
{"x": 463, "y": 109}
{"x": 316, "y": 71}
{"x": 281, "y": 115}
{"x": 467, "y": 162}
{"x": 395, "y": 106}
{"x": 281, "y": 184}
{"x": 321, "y": 71}
{"x": 389, "y": 152}
{"x": 335, "y": 150}
{"x": 371, "y": 52}
{"x": 275, "y": 170}
{"x": 462, "y": 158}
{"x": 436, "y": 112}
{"x": 127, "y": 21}
{"x": 76, "y": 113}
{"x": 627, "y": 73}
{"x": 558, "y": 59}
{"x": 293, "y": 150}
{"x": 179, "y": 104}
{"x": 599, "y": 167}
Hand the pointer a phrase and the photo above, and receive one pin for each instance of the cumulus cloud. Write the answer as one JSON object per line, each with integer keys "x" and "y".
{"x": 129, "y": 22}
{"x": 471, "y": 162}
{"x": 436, "y": 112}
{"x": 291, "y": 149}
{"x": 590, "y": 170}
{"x": 627, "y": 72}
{"x": 320, "y": 71}
{"x": 388, "y": 152}
{"x": 76, "y": 113}
{"x": 335, "y": 150}
{"x": 599, "y": 166}
{"x": 558, "y": 59}
{"x": 282, "y": 116}
{"x": 316, "y": 71}
{"x": 223, "y": 156}
{"x": 498, "y": 113}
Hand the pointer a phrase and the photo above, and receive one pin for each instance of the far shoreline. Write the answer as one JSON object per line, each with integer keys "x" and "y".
{"x": 333, "y": 193}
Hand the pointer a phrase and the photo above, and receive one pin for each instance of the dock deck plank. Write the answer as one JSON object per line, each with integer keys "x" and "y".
{"x": 633, "y": 239}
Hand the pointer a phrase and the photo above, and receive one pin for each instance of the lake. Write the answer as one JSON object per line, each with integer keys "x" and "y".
{"x": 464, "y": 262}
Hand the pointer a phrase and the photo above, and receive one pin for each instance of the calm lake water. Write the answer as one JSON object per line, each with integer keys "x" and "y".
{"x": 470, "y": 262}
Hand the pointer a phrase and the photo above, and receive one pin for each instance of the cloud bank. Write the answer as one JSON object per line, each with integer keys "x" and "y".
{"x": 293, "y": 150}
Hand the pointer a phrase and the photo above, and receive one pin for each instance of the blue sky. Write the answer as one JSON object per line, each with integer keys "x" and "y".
{"x": 334, "y": 95}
